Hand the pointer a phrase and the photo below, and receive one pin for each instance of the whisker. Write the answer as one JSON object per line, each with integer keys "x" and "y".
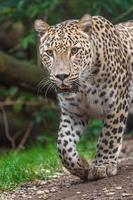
{"x": 53, "y": 87}
{"x": 41, "y": 82}
{"x": 42, "y": 85}
{"x": 48, "y": 88}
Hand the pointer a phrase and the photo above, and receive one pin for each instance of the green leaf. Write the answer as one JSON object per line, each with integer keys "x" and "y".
{"x": 38, "y": 117}
{"x": 28, "y": 40}
{"x": 17, "y": 107}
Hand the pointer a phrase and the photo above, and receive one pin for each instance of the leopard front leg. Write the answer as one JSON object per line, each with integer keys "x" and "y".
{"x": 109, "y": 144}
{"x": 70, "y": 129}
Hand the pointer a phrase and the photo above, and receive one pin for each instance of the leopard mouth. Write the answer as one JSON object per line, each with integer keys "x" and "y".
{"x": 67, "y": 89}
{"x": 64, "y": 88}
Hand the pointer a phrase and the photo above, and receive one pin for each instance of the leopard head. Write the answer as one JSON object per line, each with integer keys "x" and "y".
{"x": 66, "y": 50}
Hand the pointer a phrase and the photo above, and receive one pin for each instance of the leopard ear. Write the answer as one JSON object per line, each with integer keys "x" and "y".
{"x": 85, "y": 23}
{"x": 41, "y": 27}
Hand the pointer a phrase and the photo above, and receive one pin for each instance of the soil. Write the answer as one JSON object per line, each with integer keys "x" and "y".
{"x": 64, "y": 186}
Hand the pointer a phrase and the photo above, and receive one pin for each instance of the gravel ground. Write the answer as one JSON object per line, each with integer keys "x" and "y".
{"x": 64, "y": 186}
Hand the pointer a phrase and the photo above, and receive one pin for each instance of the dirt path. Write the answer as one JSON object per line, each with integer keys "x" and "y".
{"x": 68, "y": 187}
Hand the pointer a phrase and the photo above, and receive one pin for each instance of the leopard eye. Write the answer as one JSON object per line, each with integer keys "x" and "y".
{"x": 50, "y": 52}
{"x": 74, "y": 50}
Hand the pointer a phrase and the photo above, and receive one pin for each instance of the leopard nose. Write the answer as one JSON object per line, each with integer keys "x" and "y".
{"x": 62, "y": 77}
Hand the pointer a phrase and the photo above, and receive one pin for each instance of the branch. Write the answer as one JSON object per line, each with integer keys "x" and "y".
{"x": 38, "y": 103}
{"x": 6, "y": 125}
{"x": 23, "y": 103}
{"x": 26, "y": 135}
{"x": 21, "y": 74}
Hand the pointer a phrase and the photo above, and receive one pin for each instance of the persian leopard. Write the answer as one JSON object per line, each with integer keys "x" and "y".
{"x": 90, "y": 61}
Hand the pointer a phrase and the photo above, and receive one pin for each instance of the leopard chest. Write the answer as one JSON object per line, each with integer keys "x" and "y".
{"x": 90, "y": 100}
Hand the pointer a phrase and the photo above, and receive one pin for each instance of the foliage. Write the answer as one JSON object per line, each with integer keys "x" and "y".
{"x": 26, "y": 12}
{"x": 57, "y": 10}
{"x": 94, "y": 128}
{"x": 23, "y": 9}
{"x": 110, "y": 9}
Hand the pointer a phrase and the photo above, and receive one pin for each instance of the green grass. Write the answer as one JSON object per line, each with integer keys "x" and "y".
{"x": 87, "y": 148}
{"x": 28, "y": 164}
{"x": 35, "y": 162}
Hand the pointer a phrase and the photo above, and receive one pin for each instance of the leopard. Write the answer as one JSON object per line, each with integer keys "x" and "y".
{"x": 90, "y": 64}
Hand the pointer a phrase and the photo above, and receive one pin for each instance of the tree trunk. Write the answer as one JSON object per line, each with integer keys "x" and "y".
{"x": 21, "y": 74}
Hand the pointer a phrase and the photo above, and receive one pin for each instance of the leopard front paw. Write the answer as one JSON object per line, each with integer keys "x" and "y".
{"x": 101, "y": 171}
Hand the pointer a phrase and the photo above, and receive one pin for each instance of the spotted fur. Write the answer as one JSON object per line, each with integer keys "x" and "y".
{"x": 91, "y": 61}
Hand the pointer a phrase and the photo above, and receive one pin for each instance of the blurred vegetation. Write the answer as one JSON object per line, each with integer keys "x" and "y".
{"x": 26, "y": 117}
{"x": 21, "y": 14}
